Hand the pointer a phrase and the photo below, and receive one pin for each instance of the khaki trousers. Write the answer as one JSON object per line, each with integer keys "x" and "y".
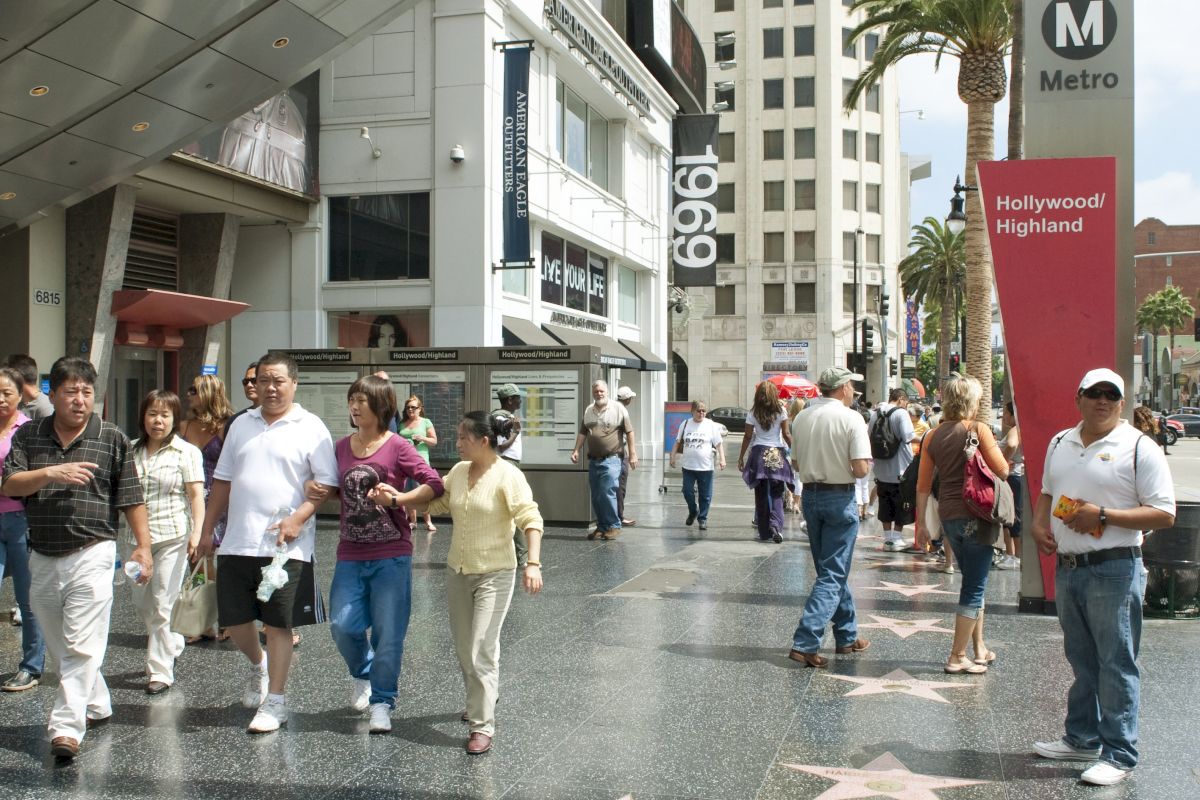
{"x": 478, "y": 605}
{"x": 155, "y": 601}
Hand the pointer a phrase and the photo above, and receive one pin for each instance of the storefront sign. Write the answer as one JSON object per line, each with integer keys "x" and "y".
{"x": 664, "y": 40}
{"x": 574, "y": 278}
{"x": 793, "y": 353}
{"x": 582, "y": 323}
{"x": 534, "y": 354}
{"x": 578, "y": 34}
{"x": 694, "y": 217}
{"x": 912, "y": 327}
{"x": 314, "y": 356}
{"x": 514, "y": 155}
{"x": 422, "y": 355}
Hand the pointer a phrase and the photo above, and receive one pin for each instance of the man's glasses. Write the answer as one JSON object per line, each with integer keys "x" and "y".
{"x": 247, "y": 381}
{"x": 1095, "y": 393}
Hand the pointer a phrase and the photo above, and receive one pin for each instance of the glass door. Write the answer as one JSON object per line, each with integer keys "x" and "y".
{"x": 135, "y": 371}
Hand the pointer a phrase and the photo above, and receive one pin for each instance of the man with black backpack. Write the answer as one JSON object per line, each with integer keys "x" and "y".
{"x": 890, "y": 432}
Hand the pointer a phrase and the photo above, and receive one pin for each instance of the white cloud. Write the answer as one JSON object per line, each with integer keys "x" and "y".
{"x": 1173, "y": 197}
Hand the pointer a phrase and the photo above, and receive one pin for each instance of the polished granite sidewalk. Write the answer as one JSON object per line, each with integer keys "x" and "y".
{"x": 651, "y": 667}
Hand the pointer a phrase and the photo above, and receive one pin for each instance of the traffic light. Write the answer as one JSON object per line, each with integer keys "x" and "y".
{"x": 884, "y": 302}
{"x": 954, "y": 362}
{"x": 893, "y": 367}
{"x": 868, "y": 340}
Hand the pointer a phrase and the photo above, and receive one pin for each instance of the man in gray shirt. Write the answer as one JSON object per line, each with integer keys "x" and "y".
{"x": 34, "y": 404}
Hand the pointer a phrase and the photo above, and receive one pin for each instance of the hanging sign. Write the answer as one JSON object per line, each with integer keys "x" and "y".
{"x": 514, "y": 156}
{"x": 694, "y": 214}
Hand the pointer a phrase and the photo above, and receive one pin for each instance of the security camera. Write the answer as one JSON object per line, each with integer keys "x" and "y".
{"x": 457, "y": 154}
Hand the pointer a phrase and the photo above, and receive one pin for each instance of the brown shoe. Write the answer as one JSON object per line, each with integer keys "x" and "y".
{"x": 610, "y": 534}
{"x": 64, "y": 748}
{"x": 628, "y": 523}
{"x": 596, "y": 533}
{"x": 808, "y": 659}
{"x": 157, "y": 687}
{"x": 857, "y": 646}
{"x": 479, "y": 743}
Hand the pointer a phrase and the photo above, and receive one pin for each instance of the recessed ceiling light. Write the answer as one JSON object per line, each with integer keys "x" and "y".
{"x": 8, "y": 196}
{"x": 39, "y": 91}
{"x": 281, "y": 42}
{"x": 140, "y": 126}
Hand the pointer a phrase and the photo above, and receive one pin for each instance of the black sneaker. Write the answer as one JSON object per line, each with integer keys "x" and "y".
{"x": 703, "y": 525}
{"x": 21, "y": 681}
{"x": 691, "y": 518}
{"x": 776, "y": 537}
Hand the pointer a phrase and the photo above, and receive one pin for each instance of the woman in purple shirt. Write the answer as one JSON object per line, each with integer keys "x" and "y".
{"x": 372, "y": 581}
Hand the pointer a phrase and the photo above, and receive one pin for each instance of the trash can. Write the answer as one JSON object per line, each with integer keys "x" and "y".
{"x": 1172, "y": 557}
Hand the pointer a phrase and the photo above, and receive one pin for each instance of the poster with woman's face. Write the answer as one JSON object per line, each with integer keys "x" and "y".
{"x": 399, "y": 328}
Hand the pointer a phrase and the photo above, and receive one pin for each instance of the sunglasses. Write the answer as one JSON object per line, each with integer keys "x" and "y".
{"x": 412, "y": 408}
{"x": 1095, "y": 393}
{"x": 247, "y": 381}
{"x": 192, "y": 391}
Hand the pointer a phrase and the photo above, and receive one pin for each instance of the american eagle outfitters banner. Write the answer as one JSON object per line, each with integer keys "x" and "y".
{"x": 694, "y": 201}
{"x": 515, "y": 155}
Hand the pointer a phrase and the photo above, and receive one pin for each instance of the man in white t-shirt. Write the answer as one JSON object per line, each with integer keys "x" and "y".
{"x": 269, "y": 454}
{"x": 892, "y": 514}
{"x": 832, "y": 451}
{"x": 1104, "y": 483}
{"x": 696, "y": 443}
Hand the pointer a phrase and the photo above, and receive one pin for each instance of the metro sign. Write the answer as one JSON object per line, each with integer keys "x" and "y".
{"x": 1079, "y": 29}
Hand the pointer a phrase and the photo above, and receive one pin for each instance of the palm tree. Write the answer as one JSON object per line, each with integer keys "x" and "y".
{"x": 1016, "y": 89}
{"x": 977, "y": 33}
{"x": 1166, "y": 309}
{"x": 932, "y": 274}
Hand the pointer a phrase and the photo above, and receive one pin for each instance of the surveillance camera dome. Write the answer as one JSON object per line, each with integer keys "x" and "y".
{"x": 457, "y": 154}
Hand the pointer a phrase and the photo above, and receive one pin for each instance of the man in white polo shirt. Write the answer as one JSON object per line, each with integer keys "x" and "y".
{"x": 1121, "y": 486}
{"x": 268, "y": 455}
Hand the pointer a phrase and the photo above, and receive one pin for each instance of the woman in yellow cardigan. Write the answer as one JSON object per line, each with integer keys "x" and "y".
{"x": 485, "y": 497}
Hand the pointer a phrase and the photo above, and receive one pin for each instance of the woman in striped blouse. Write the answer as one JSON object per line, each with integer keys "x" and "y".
{"x": 171, "y": 472}
{"x": 485, "y": 497}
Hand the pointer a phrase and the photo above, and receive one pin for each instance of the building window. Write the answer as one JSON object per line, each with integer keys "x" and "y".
{"x": 773, "y": 298}
{"x": 772, "y": 145}
{"x": 849, "y": 144}
{"x": 723, "y": 52}
{"x": 806, "y": 195}
{"x": 627, "y": 295}
{"x": 582, "y": 136}
{"x": 516, "y": 281}
{"x": 873, "y": 255}
{"x": 848, "y": 47}
{"x": 872, "y": 44}
{"x": 804, "y": 246}
{"x": 726, "y": 301}
{"x": 803, "y": 2}
{"x": 805, "y": 92}
{"x": 872, "y": 198}
{"x": 1151, "y": 237}
{"x": 805, "y": 297}
{"x": 722, "y": 5}
{"x": 773, "y": 93}
{"x": 725, "y": 193}
{"x": 850, "y": 195}
{"x": 848, "y": 298}
{"x": 772, "y": 43}
{"x": 379, "y": 237}
{"x": 773, "y": 248}
{"x": 847, "y": 85}
{"x": 873, "y": 98}
{"x": 848, "y": 242}
{"x": 872, "y": 299}
{"x": 873, "y": 148}
{"x": 802, "y": 40}
{"x": 727, "y": 95}
{"x": 573, "y": 277}
{"x": 725, "y": 248}
{"x": 726, "y": 152}
{"x": 772, "y": 3}
{"x": 805, "y": 144}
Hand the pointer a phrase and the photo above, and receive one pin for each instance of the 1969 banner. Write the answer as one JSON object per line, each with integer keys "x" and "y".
{"x": 694, "y": 221}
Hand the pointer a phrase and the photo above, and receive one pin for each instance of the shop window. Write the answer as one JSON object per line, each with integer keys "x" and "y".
{"x": 726, "y": 301}
{"x": 773, "y": 93}
{"x": 804, "y": 246}
{"x": 805, "y": 92}
{"x": 849, "y": 144}
{"x": 573, "y": 277}
{"x": 805, "y": 297}
{"x": 873, "y": 148}
{"x": 850, "y": 195}
{"x": 872, "y": 198}
{"x": 379, "y": 237}
{"x": 725, "y": 195}
{"x": 805, "y": 143}
{"x": 773, "y": 248}
{"x": 726, "y": 245}
{"x": 802, "y": 40}
{"x": 772, "y": 145}
{"x": 806, "y": 195}
{"x": 726, "y": 152}
{"x": 627, "y": 295}
{"x": 380, "y": 328}
{"x": 581, "y": 136}
{"x": 772, "y": 195}
{"x": 773, "y": 298}
{"x": 772, "y": 43}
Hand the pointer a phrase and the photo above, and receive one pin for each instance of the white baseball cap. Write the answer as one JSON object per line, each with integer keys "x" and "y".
{"x": 625, "y": 393}
{"x": 1103, "y": 375}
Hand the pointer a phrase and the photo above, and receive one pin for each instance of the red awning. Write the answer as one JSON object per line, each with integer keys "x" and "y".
{"x": 154, "y": 307}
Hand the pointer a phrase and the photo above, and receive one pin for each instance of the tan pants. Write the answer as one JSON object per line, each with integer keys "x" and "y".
{"x": 478, "y": 605}
{"x": 154, "y": 602}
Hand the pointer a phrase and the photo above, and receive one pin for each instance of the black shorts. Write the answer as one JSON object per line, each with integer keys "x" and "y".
{"x": 891, "y": 509}
{"x": 237, "y": 583}
{"x": 1017, "y": 484}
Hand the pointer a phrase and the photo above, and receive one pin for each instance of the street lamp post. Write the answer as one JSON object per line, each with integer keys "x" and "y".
{"x": 855, "y": 332}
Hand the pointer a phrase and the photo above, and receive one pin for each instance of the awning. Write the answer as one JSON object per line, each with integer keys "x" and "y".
{"x": 172, "y": 309}
{"x": 650, "y": 362}
{"x": 519, "y": 332}
{"x": 611, "y": 353}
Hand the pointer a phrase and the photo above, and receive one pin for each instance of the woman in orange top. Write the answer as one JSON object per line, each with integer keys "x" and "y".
{"x": 967, "y": 536}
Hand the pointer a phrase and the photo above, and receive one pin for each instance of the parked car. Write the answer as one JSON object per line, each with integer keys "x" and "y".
{"x": 1172, "y": 429}
{"x": 1190, "y": 423}
{"x": 732, "y": 417}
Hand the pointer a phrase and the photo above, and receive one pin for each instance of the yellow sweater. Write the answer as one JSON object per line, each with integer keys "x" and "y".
{"x": 484, "y": 516}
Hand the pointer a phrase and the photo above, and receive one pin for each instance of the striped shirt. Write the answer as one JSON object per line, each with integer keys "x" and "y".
{"x": 64, "y": 519}
{"x": 164, "y": 476}
{"x": 484, "y": 515}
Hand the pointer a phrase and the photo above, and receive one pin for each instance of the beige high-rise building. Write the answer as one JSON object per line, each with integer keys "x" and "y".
{"x": 798, "y": 177}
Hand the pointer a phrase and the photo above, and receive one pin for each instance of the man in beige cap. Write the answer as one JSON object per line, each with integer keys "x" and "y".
{"x": 625, "y": 397}
{"x": 832, "y": 451}
{"x": 509, "y": 396}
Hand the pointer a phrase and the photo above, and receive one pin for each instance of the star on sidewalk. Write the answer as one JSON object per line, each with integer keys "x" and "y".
{"x": 883, "y": 777}
{"x": 897, "y": 562}
{"x": 910, "y": 590}
{"x": 905, "y": 628}
{"x": 898, "y": 682}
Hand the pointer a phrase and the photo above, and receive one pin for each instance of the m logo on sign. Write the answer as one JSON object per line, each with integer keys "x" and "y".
{"x": 1079, "y": 29}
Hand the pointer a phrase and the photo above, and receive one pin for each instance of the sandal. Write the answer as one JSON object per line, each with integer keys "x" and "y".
{"x": 970, "y": 668}
{"x": 987, "y": 658}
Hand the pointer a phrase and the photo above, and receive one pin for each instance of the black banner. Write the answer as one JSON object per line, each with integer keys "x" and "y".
{"x": 515, "y": 155}
{"x": 694, "y": 213}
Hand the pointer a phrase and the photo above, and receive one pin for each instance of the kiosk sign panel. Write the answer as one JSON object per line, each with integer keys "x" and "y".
{"x": 548, "y": 413}
{"x": 443, "y": 394}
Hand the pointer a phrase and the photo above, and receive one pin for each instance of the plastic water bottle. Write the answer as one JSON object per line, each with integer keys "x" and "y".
{"x": 277, "y": 516}
{"x": 118, "y": 574}
{"x": 133, "y": 571}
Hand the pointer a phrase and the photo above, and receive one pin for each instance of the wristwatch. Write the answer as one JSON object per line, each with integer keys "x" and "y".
{"x": 393, "y": 501}
{"x": 1103, "y": 516}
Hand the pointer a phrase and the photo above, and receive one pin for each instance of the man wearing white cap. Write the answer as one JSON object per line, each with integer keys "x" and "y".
{"x": 625, "y": 397}
{"x": 1104, "y": 483}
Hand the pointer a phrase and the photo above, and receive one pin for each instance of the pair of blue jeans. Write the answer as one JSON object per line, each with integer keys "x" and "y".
{"x": 376, "y": 595}
{"x": 974, "y": 562}
{"x": 702, "y": 479}
{"x": 832, "y": 520}
{"x": 1100, "y": 611}
{"x": 603, "y": 476}
{"x": 14, "y": 558}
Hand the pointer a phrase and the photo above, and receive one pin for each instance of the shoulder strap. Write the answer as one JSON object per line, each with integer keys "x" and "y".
{"x": 1135, "y": 457}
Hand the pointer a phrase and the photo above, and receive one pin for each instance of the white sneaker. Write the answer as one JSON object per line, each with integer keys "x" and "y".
{"x": 256, "y": 688}
{"x": 360, "y": 695}
{"x": 1064, "y": 752}
{"x": 1104, "y": 774}
{"x": 893, "y": 545}
{"x": 270, "y": 716}
{"x": 1008, "y": 562}
{"x": 381, "y": 718}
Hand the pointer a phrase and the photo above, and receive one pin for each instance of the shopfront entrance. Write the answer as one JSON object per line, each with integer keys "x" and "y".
{"x": 135, "y": 371}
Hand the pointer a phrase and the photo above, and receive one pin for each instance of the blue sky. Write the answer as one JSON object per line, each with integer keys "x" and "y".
{"x": 1167, "y": 125}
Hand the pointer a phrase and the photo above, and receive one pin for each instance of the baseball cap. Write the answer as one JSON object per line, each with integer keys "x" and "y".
{"x": 625, "y": 393}
{"x": 508, "y": 390}
{"x": 834, "y": 377}
{"x": 1103, "y": 375}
